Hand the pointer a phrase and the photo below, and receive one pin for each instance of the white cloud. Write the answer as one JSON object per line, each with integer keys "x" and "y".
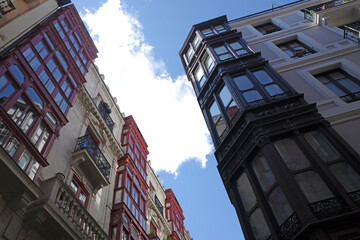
{"x": 165, "y": 110}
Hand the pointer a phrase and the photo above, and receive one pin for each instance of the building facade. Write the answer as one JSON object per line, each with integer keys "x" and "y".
{"x": 130, "y": 193}
{"x": 59, "y": 145}
{"x": 72, "y": 166}
{"x": 157, "y": 225}
{"x": 278, "y": 90}
{"x": 174, "y": 215}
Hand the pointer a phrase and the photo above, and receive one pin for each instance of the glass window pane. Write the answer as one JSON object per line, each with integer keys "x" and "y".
{"x": 274, "y": 89}
{"x": 321, "y": 146}
{"x": 246, "y": 192}
{"x": 51, "y": 65}
{"x": 74, "y": 186}
{"x": 335, "y": 88}
{"x": 263, "y": 77}
{"x": 82, "y": 197}
{"x": 252, "y": 96}
{"x": 235, "y": 45}
{"x": 349, "y": 85}
{"x": 24, "y": 159}
{"x": 220, "y": 126}
{"x": 49, "y": 41}
{"x": 313, "y": 186}
{"x": 221, "y": 50}
{"x": 189, "y": 53}
{"x": 241, "y": 52}
{"x": 263, "y": 172}
{"x": 346, "y": 176}
{"x": 51, "y": 120}
{"x": 258, "y": 225}
{"x": 209, "y": 64}
{"x": 232, "y": 109}
{"x": 18, "y": 74}
{"x": 293, "y": 157}
{"x": 12, "y": 145}
{"x": 280, "y": 205}
{"x": 32, "y": 169}
{"x": 225, "y": 96}
{"x": 35, "y": 98}
{"x": 117, "y": 196}
{"x": 9, "y": 89}
{"x": 62, "y": 60}
{"x": 196, "y": 42}
{"x": 243, "y": 82}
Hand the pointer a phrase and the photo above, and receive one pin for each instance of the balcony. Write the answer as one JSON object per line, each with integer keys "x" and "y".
{"x": 60, "y": 215}
{"x": 90, "y": 159}
{"x": 159, "y": 206}
{"x": 352, "y": 31}
{"x": 6, "y": 6}
{"x": 105, "y": 111}
{"x": 310, "y": 13}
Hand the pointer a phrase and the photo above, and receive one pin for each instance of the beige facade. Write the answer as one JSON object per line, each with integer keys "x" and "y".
{"x": 324, "y": 37}
{"x": 156, "y": 208}
{"x": 26, "y": 15}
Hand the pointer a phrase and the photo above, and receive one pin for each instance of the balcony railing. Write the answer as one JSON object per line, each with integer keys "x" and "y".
{"x": 86, "y": 142}
{"x": 105, "y": 114}
{"x": 6, "y": 6}
{"x": 309, "y": 13}
{"x": 159, "y": 205}
{"x": 66, "y": 211}
{"x": 352, "y": 97}
{"x": 352, "y": 31}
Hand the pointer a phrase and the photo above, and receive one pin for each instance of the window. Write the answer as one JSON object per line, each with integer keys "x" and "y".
{"x": 229, "y": 104}
{"x": 54, "y": 69}
{"x": 196, "y": 42}
{"x": 7, "y": 140}
{"x": 17, "y": 73}
{"x": 189, "y": 53}
{"x": 341, "y": 83}
{"x": 230, "y": 50}
{"x": 200, "y": 76}
{"x": 209, "y": 63}
{"x": 309, "y": 181}
{"x": 80, "y": 192}
{"x": 40, "y": 138}
{"x": 46, "y": 81}
{"x": 217, "y": 118}
{"x": 42, "y": 49}
{"x": 59, "y": 30}
{"x": 223, "y": 53}
{"x": 22, "y": 114}
{"x": 6, "y": 89}
{"x": 29, "y": 164}
{"x": 296, "y": 49}
{"x": 267, "y": 28}
{"x": 31, "y": 58}
{"x": 211, "y": 31}
{"x": 257, "y": 85}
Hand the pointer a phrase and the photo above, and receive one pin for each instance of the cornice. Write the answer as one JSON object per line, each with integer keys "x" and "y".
{"x": 90, "y": 106}
{"x": 151, "y": 206}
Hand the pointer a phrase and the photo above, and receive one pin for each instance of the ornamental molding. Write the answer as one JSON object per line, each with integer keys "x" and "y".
{"x": 95, "y": 117}
{"x": 156, "y": 215}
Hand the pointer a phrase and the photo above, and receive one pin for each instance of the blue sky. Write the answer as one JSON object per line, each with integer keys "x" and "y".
{"x": 138, "y": 42}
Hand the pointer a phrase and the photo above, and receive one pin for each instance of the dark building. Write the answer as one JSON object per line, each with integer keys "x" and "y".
{"x": 287, "y": 172}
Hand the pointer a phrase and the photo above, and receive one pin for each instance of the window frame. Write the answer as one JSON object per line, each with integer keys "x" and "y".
{"x": 296, "y": 53}
{"x": 268, "y": 25}
{"x": 80, "y": 189}
{"x": 354, "y": 96}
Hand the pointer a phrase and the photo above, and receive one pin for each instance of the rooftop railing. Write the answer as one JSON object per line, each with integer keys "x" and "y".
{"x": 86, "y": 142}
{"x": 6, "y": 6}
{"x": 352, "y": 31}
{"x": 309, "y": 13}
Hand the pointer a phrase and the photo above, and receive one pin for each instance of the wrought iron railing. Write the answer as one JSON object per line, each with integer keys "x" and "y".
{"x": 88, "y": 143}
{"x": 352, "y": 97}
{"x": 352, "y": 31}
{"x": 6, "y": 6}
{"x": 290, "y": 227}
{"x": 105, "y": 114}
{"x": 309, "y": 13}
{"x": 329, "y": 207}
{"x": 159, "y": 205}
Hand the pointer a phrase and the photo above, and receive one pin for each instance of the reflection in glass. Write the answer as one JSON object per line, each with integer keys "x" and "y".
{"x": 280, "y": 205}
{"x": 35, "y": 98}
{"x": 273, "y": 89}
{"x": 6, "y": 89}
{"x": 263, "y": 172}
{"x": 217, "y": 119}
{"x": 263, "y": 77}
{"x": 229, "y": 103}
{"x": 322, "y": 146}
{"x": 258, "y": 225}
{"x": 22, "y": 114}
{"x": 293, "y": 157}
{"x": 223, "y": 53}
{"x": 51, "y": 120}
{"x": 32, "y": 169}
{"x": 313, "y": 186}
{"x": 246, "y": 192}
{"x": 18, "y": 74}
{"x": 346, "y": 176}
{"x": 252, "y": 96}
{"x": 44, "y": 78}
{"x": 243, "y": 82}
{"x": 199, "y": 76}
{"x": 24, "y": 159}
{"x": 209, "y": 64}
